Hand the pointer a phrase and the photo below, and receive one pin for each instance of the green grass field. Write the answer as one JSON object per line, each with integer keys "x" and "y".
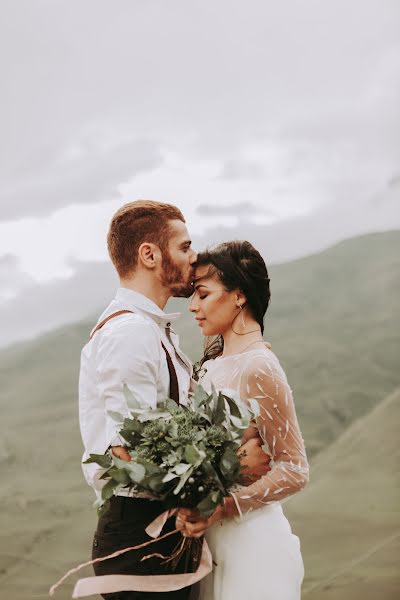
{"x": 334, "y": 323}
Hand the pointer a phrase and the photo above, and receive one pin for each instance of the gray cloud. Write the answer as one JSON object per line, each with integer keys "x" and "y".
{"x": 83, "y": 173}
{"x": 394, "y": 182}
{"x": 243, "y": 209}
{"x": 340, "y": 219}
{"x": 41, "y": 308}
{"x": 144, "y": 73}
{"x": 241, "y": 169}
{"x": 12, "y": 278}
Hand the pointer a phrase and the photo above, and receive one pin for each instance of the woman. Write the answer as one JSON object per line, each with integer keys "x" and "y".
{"x": 257, "y": 556}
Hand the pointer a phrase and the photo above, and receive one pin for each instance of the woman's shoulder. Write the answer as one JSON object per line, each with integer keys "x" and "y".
{"x": 261, "y": 363}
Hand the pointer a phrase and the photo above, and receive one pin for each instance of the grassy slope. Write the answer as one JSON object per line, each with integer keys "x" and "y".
{"x": 348, "y": 518}
{"x": 333, "y": 324}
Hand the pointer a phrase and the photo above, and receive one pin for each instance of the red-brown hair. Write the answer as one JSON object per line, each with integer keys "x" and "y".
{"x": 134, "y": 224}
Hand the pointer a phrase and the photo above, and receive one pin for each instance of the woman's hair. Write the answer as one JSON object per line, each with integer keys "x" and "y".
{"x": 238, "y": 266}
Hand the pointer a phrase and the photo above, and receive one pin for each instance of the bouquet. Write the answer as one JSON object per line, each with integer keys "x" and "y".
{"x": 185, "y": 456}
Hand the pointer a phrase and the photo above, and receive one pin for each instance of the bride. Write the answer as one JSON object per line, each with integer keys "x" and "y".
{"x": 256, "y": 554}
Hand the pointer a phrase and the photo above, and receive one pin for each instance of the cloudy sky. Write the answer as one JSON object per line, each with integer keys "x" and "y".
{"x": 280, "y": 117}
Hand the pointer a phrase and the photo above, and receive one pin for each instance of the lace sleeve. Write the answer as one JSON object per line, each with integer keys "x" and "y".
{"x": 264, "y": 380}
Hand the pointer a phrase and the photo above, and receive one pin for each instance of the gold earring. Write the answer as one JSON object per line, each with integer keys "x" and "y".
{"x": 241, "y": 315}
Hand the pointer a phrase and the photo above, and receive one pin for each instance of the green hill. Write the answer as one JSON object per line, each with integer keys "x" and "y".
{"x": 333, "y": 322}
{"x": 348, "y": 518}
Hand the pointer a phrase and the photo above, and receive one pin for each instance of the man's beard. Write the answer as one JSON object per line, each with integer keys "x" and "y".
{"x": 180, "y": 283}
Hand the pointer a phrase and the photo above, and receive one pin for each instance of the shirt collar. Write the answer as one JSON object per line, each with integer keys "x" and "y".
{"x": 135, "y": 300}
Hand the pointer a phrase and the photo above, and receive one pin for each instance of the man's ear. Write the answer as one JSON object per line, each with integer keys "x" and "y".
{"x": 148, "y": 255}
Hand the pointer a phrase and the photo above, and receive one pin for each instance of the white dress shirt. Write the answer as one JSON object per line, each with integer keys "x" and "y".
{"x": 127, "y": 349}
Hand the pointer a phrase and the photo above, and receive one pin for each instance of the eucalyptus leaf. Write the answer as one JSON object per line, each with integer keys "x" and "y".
{"x": 173, "y": 429}
{"x": 183, "y": 480}
{"x": 181, "y": 468}
{"x": 215, "y": 496}
{"x": 239, "y": 423}
{"x": 108, "y": 490}
{"x": 171, "y": 406}
{"x": 119, "y": 475}
{"x": 150, "y": 467}
{"x": 155, "y": 483}
{"x": 233, "y": 407}
{"x": 169, "y": 477}
{"x": 192, "y": 455}
{"x": 153, "y": 415}
{"x": 136, "y": 472}
{"x": 104, "y": 460}
{"x": 131, "y": 425}
{"x": 206, "y": 416}
{"x": 219, "y": 414}
{"x": 207, "y": 506}
{"x": 199, "y": 397}
{"x": 229, "y": 462}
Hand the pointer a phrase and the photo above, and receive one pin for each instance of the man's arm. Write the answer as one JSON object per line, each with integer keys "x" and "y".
{"x": 128, "y": 353}
{"x": 254, "y": 461}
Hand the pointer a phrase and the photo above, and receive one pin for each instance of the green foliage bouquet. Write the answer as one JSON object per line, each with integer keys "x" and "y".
{"x": 185, "y": 456}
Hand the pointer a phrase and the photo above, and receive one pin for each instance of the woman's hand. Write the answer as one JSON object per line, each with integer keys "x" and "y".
{"x": 192, "y": 524}
{"x": 121, "y": 453}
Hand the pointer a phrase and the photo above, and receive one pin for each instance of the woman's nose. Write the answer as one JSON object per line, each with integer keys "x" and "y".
{"x": 193, "y": 306}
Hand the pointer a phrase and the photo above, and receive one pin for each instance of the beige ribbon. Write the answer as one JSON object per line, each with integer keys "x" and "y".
{"x": 105, "y": 584}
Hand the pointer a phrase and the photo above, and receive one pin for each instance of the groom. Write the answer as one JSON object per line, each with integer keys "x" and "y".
{"x": 134, "y": 343}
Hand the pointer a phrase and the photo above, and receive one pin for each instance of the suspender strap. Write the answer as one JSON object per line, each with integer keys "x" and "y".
{"x": 173, "y": 378}
{"x": 104, "y": 321}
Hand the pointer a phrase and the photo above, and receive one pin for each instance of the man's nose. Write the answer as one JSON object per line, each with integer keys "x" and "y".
{"x": 193, "y": 258}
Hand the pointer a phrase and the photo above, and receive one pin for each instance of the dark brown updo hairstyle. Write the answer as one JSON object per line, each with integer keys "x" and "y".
{"x": 239, "y": 266}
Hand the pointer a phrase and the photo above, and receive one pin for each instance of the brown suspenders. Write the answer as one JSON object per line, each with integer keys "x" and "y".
{"x": 173, "y": 379}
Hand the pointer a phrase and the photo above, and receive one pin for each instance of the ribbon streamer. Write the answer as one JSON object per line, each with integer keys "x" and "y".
{"x": 105, "y": 584}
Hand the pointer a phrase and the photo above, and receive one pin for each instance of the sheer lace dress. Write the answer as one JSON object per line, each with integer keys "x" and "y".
{"x": 258, "y": 374}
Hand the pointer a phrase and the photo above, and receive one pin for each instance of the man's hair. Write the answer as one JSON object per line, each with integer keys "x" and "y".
{"x": 134, "y": 224}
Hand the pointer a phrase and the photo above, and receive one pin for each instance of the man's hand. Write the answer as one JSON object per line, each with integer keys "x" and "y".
{"x": 254, "y": 461}
{"x": 121, "y": 452}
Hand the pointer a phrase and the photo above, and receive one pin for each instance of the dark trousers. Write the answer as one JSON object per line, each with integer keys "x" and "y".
{"x": 124, "y": 525}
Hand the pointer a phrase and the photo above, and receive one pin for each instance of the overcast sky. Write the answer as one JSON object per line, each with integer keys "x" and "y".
{"x": 246, "y": 114}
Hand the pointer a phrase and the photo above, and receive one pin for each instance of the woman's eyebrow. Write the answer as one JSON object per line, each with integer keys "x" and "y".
{"x": 199, "y": 285}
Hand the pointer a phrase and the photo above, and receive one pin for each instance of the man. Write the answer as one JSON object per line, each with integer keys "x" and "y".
{"x": 133, "y": 344}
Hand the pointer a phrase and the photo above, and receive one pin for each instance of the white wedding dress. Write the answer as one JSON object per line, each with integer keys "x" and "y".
{"x": 257, "y": 555}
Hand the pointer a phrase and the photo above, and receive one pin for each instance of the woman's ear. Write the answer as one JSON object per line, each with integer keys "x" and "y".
{"x": 148, "y": 254}
{"x": 240, "y": 299}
